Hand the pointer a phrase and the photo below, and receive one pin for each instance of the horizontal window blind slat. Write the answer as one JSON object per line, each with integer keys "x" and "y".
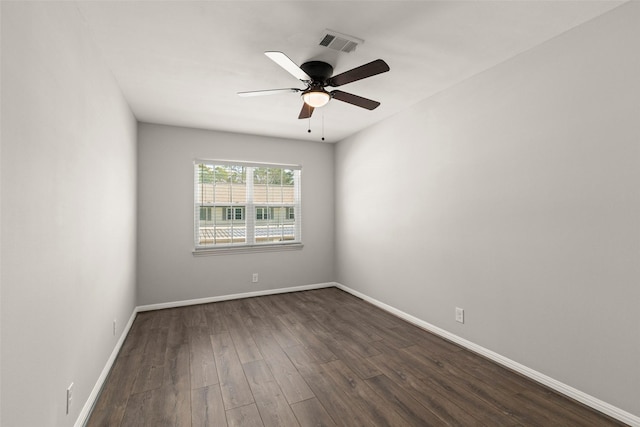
{"x": 247, "y": 164}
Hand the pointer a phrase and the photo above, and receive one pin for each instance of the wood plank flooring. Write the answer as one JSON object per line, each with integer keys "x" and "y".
{"x": 314, "y": 358}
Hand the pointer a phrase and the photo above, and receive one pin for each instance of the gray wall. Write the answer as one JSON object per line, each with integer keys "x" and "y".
{"x": 167, "y": 269}
{"x": 68, "y": 213}
{"x": 514, "y": 195}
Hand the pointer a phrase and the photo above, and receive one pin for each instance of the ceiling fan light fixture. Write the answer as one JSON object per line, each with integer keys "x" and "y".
{"x": 316, "y": 98}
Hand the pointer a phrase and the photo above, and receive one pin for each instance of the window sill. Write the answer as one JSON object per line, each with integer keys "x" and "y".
{"x": 247, "y": 249}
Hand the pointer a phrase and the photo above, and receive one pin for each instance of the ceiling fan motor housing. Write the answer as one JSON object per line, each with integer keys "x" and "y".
{"x": 319, "y": 71}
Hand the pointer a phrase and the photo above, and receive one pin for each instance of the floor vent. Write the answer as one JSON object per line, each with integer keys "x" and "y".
{"x": 338, "y": 41}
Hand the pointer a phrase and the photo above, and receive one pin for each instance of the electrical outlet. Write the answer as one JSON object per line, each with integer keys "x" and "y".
{"x": 254, "y": 279}
{"x": 69, "y": 397}
{"x": 459, "y": 315}
{"x": 114, "y": 327}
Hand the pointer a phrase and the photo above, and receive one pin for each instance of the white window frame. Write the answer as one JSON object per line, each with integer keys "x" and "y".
{"x": 249, "y": 211}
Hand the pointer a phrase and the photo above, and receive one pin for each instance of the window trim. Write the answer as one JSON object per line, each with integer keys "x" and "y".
{"x": 246, "y": 249}
{"x": 249, "y": 212}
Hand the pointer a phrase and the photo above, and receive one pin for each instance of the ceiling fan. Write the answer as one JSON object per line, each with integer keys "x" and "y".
{"x": 317, "y": 75}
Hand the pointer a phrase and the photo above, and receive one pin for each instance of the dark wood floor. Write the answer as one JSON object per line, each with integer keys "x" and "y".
{"x": 315, "y": 358}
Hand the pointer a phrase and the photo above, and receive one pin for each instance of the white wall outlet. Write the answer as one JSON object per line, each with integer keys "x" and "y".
{"x": 69, "y": 397}
{"x": 254, "y": 279}
{"x": 114, "y": 327}
{"x": 459, "y": 315}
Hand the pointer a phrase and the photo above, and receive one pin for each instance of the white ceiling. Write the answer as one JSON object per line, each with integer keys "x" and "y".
{"x": 182, "y": 62}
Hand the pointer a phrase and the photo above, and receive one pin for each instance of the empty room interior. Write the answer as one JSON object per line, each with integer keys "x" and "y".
{"x": 320, "y": 213}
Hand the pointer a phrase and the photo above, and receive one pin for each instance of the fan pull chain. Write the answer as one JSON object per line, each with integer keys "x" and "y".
{"x": 309, "y": 129}
{"x": 323, "y": 125}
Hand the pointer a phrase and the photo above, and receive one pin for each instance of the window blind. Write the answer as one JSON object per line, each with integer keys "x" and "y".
{"x": 246, "y": 204}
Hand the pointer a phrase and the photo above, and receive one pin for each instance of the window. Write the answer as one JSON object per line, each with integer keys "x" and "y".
{"x": 205, "y": 214}
{"x": 234, "y": 213}
{"x": 264, "y": 213}
{"x": 240, "y": 204}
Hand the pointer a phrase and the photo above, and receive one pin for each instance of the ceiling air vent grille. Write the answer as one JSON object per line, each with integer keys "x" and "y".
{"x": 340, "y": 42}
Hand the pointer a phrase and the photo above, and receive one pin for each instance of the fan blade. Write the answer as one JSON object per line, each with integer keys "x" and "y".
{"x": 306, "y": 112}
{"x": 268, "y": 92}
{"x": 356, "y": 100}
{"x": 285, "y": 62}
{"x": 362, "y": 72}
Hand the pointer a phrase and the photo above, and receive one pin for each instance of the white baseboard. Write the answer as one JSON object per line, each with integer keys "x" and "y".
{"x": 207, "y": 300}
{"x": 83, "y": 417}
{"x": 541, "y": 378}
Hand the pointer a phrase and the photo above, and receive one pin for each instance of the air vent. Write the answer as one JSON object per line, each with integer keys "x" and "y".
{"x": 338, "y": 41}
